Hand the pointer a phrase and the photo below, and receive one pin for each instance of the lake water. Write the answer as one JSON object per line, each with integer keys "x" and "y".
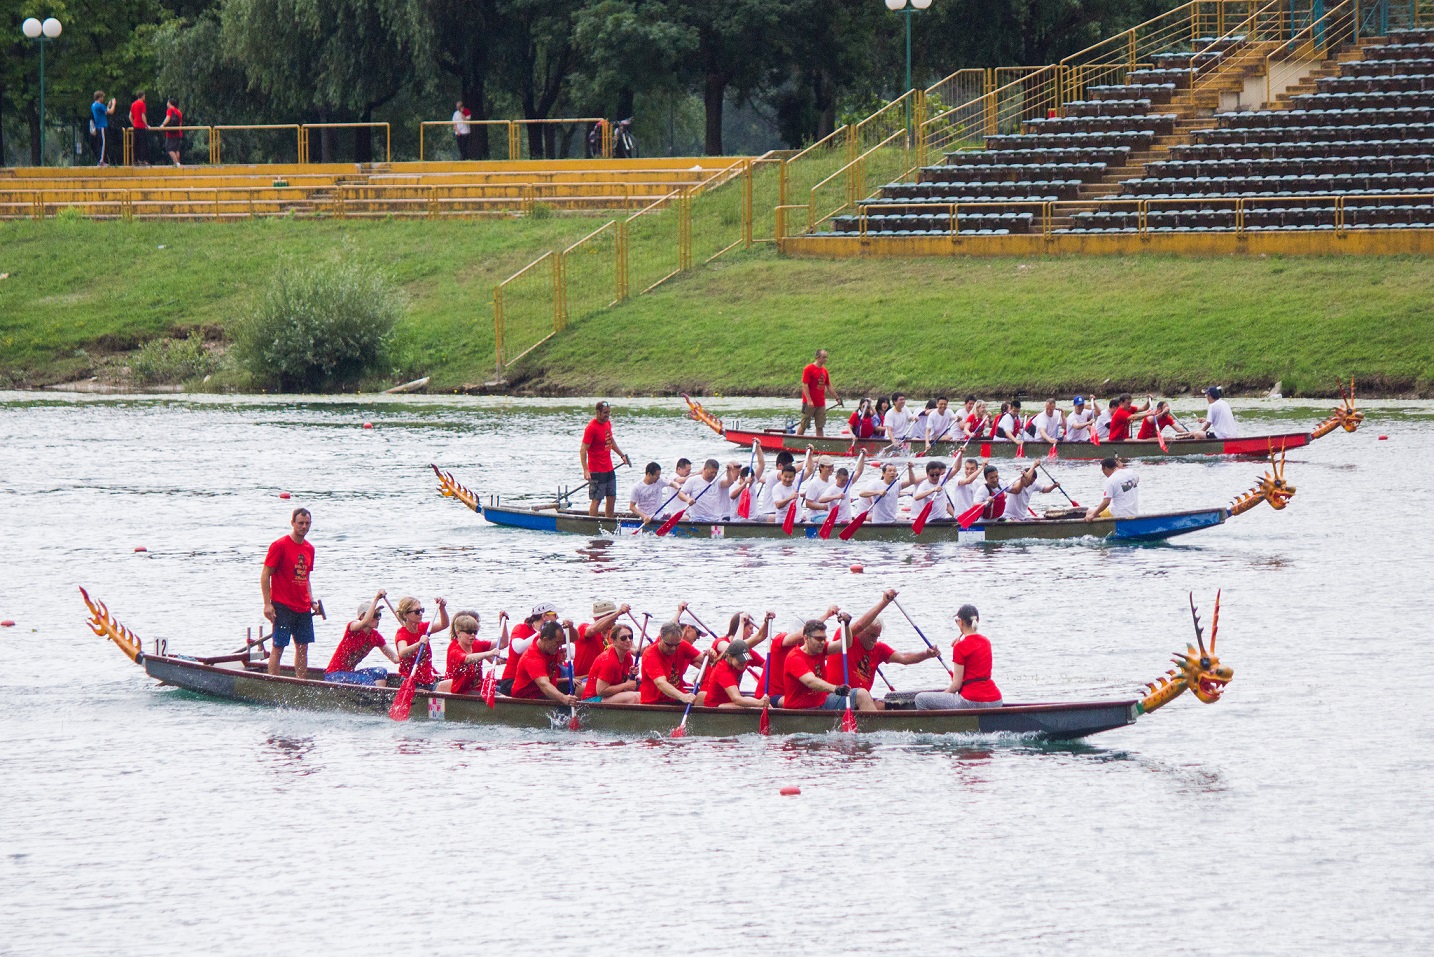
{"x": 1290, "y": 818}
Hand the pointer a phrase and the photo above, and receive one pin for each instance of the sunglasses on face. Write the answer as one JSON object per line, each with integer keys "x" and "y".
{"x": 417, "y": 611}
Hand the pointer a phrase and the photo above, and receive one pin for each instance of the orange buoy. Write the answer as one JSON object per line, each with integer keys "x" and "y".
{"x": 140, "y": 548}
{"x": 283, "y": 494}
{"x": 7, "y": 623}
{"x": 857, "y": 569}
{"x": 368, "y": 425}
{"x": 790, "y": 791}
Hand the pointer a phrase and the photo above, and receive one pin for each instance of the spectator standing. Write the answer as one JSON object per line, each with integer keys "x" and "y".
{"x": 174, "y": 139}
{"x": 100, "y": 114}
{"x": 624, "y": 146}
{"x": 595, "y": 454}
{"x": 595, "y": 139}
{"x": 139, "y": 122}
{"x": 816, "y": 382}
{"x": 461, "y": 129}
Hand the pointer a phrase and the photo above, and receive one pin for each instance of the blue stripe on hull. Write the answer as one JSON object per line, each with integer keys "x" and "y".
{"x": 1164, "y": 526}
{"x": 521, "y": 519}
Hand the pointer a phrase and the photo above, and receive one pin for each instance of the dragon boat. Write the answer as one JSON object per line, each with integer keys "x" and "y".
{"x": 1345, "y": 416}
{"x": 241, "y": 677}
{"x": 1056, "y": 524}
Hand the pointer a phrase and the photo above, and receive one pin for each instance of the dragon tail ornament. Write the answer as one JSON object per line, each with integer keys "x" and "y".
{"x": 103, "y": 624}
{"x": 1198, "y": 670}
{"x": 695, "y": 411}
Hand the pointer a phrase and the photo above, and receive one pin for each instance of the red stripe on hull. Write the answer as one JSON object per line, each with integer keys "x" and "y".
{"x": 1263, "y": 444}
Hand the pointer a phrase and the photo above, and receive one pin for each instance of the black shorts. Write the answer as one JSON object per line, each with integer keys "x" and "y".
{"x": 288, "y": 623}
{"x": 603, "y": 485}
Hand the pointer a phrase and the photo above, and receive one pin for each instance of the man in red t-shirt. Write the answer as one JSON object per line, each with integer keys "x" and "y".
{"x": 288, "y": 603}
{"x": 1123, "y": 414}
{"x": 816, "y": 383}
{"x": 663, "y": 666}
{"x": 1158, "y": 420}
{"x": 868, "y": 652}
{"x": 590, "y": 639}
{"x": 595, "y": 454}
{"x": 139, "y": 121}
{"x": 806, "y": 688}
{"x": 971, "y": 685}
{"x": 173, "y": 140}
{"x": 541, "y": 668}
{"x": 360, "y": 637}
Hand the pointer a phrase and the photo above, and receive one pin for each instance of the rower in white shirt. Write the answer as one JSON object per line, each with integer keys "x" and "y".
{"x": 1018, "y": 496}
{"x": 729, "y": 487}
{"x": 680, "y": 474}
{"x": 931, "y": 489}
{"x": 1219, "y": 421}
{"x": 1049, "y": 424}
{"x": 1102, "y": 421}
{"x": 876, "y": 497}
{"x": 961, "y": 490}
{"x": 649, "y": 494}
{"x": 1121, "y": 493}
{"x": 786, "y": 492}
{"x": 704, "y": 503}
{"x": 838, "y": 494}
{"x": 763, "y": 479}
{"x": 1009, "y": 422}
{"x": 814, "y": 488}
{"x": 898, "y": 421}
{"x": 940, "y": 424}
{"x": 1078, "y": 423}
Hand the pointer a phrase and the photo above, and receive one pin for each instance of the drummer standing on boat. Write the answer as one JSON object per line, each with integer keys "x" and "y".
{"x": 288, "y": 603}
{"x": 816, "y": 383}
{"x": 595, "y": 454}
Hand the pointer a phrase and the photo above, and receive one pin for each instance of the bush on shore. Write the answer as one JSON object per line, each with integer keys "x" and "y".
{"x": 319, "y": 326}
{"x": 172, "y": 360}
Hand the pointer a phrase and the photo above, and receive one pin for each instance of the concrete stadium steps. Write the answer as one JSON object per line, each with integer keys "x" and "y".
{"x": 430, "y": 190}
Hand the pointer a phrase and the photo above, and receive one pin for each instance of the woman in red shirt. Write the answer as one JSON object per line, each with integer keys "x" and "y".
{"x": 610, "y": 679}
{"x": 864, "y": 422}
{"x": 411, "y": 641}
{"x": 724, "y": 688}
{"x": 971, "y": 684}
{"x": 466, "y": 653}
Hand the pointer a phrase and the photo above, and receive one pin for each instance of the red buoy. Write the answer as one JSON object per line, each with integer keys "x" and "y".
{"x": 140, "y": 548}
{"x": 1384, "y": 438}
{"x": 857, "y": 569}
{"x": 283, "y": 494}
{"x": 790, "y": 790}
{"x": 368, "y": 425}
{"x": 7, "y": 623}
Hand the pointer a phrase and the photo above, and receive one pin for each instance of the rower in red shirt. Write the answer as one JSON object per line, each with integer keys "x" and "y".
{"x": 524, "y": 634}
{"x": 806, "y": 688}
{"x": 1124, "y": 412}
{"x": 740, "y": 626}
{"x": 971, "y": 684}
{"x": 360, "y": 637}
{"x": 774, "y": 676}
{"x": 1159, "y": 420}
{"x": 868, "y": 652}
{"x": 541, "y": 668}
{"x": 413, "y": 640}
{"x": 664, "y": 664}
{"x": 466, "y": 653}
{"x": 816, "y": 382}
{"x": 288, "y": 601}
{"x": 725, "y": 688}
{"x": 611, "y": 679}
{"x": 590, "y": 639}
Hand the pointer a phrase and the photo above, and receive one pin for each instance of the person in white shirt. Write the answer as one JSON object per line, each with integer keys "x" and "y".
{"x": 703, "y": 502}
{"x": 461, "y": 129}
{"x": 764, "y": 480}
{"x": 838, "y": 493}
{"x": 881, "y": 502}
{"x": 962, "y": 490}
{"x": 1018, "y": 496}
{"x": 1122, "y": 491}
{"x": 1049, "y": 424}
{"x": 1219, "y": 421}
{"x": 930, "y": 489}
{"x": 680, "y": 474}
{"x": 814, "y": 488}
{"x": 1102, "y": 422}
{"x": 1009, "y": 423}
{"x": 989, "y": 491}
{"x": 729, "y": 487}
{"x": 785, "y": 493}
{"x": 898, "y": 420}
{"x": 940, "y": 424}
{"x": 649, "y": 494}
{"x": 1078, "y": 423}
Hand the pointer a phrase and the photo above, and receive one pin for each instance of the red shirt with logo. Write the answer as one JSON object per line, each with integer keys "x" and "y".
{"x": 291, "y": 562}
{"x": 1119, "y": 427}
{"x": 520, "y": 631}
{"x": 534, "y": 665}
{"x": 797, "y": 694}
{"x": 774, "y": 677}
{"x": 353, "y": 648}
{"x": 817, "y": 380}
{"x": 610, "y": 667}
{"x": 1148, "y": 426}
{"x": 861, "y": 664}
{"x": 586, "y": 649}
{"x": 465, "y": 676}
{"x": 974, "y": 652}
{"x": 720, "y": 677}
{"x": 671, "y": 665}
{"x": 596, "y": 438}
{"x": 426, "y": 674}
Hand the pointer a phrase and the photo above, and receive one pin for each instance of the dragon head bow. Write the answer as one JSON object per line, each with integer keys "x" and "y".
{"x": 1345, "y": 415}
{"x": 1270, "y": 487}
{"x": 1198, "y": 670}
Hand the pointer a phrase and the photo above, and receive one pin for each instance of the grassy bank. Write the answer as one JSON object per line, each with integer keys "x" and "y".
{"x": 747, "y": 326}
{"x": 80, "y": 291}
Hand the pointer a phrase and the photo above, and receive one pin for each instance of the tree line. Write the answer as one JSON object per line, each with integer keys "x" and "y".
{"x": 803, "y": 65}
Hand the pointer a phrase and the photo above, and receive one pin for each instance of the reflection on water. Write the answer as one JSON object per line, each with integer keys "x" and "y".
{"x": 535, "y": 842}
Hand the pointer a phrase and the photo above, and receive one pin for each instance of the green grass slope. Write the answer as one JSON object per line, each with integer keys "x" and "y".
{"x": 746, "y": 326}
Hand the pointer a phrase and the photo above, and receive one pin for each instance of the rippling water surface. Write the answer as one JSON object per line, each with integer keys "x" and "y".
{"x": 1291, "y": 818}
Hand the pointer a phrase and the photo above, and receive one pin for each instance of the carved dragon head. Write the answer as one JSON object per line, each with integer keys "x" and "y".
{"x": 450, "y": 487}
{"x": 1345, "y": 415}
{"x": 695, "y": 411}
{"x": 1270, "y": 487}
{"x": 1198, "y": 670}
{"x": 103, "y": 624}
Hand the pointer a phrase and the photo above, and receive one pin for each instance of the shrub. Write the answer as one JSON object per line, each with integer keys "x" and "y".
{"x": 319, "y": 326}
{"x": 172, "y": 360}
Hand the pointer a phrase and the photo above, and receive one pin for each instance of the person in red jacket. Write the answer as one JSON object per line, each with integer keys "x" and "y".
{"x": 611, "y": 679}
{"x": 868, "y": 652}
{"x": 139, "y": 121}
{"x": 774, "y": 676}
{"x": 412, "y": 640}
{"x": 541, "y": 668}
{"x": 1159, "y": 420}
{"x": 1124, "y": 412}
{"x": 971, "y": 684}
{"x": 806, "y": 688}
{"x": 664, "y": 667}
{"x": 595, "y": 455}
{"x": 288, "y": 600}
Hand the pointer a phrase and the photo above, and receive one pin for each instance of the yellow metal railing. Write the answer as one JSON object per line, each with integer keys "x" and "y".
{"x": 306, "y": 128}
{"x": 1301, "y": 53}
{"x": 852, "y": 183}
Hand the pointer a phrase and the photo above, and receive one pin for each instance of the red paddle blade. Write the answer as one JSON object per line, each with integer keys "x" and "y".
{"x": 970, "y": 515}
{"x": 856, "y": 523}
{"x": 1094, "y": 439}
{"x": 666, "y": 526}
{"x": 790, "y": 521}
{"x": 680, "y": 731}
{"x": 403, "y": 701}
{"x": 575, "y": 723}
{"x": 848, "y": 721}
{"x": 985, "y": 450}
{"x": 1160, "y": 437}
{"x": 1020, "y": 450}
{"x": 764, "y": 726}
{"x": 825, "y": 531}
{"x": 1052, "y": 453}
{"x": 490, "y": 687}
{"x": 744, "y": 503}
{"x": 920, "y": 522}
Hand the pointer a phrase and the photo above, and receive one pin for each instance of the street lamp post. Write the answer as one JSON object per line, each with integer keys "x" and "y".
{"x": 40, "y": 33}
{"x": 910, "y": 8}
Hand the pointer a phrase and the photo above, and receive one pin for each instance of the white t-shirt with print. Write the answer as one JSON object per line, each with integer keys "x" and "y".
{"x": 648, "y": 498}
{"x": 1123, "y": 490}
{"x": 899, "y": 422}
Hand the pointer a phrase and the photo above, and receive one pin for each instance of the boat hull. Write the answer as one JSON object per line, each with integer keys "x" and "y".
{"x": 1142, "y": 528}
{"x": 235, "y": 682}
{"x": 1256, "y": 445}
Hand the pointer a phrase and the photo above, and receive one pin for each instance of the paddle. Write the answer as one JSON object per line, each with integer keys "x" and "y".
{"x": 677, "y": 516}
{"x": 1159, "y": 433}
{"x": 681, "y": 730}
{"x": 490, "y": 677}
{"x": 666, "y": 525}
{"x": 1074, "y": 503}
{"x": 744, "y": 500}
{"x": 846, "y": 533}
{"x": 833, "y": 510}
{"x": 403, "y": 701}
{"x": 642, "y": 628}
{"x": 968, "y": 517}
{"x": 790, "y": 521}
{"x": 574, "y": 722}
{"x": 848, "y": 720}
{"x": 923, "y": 636}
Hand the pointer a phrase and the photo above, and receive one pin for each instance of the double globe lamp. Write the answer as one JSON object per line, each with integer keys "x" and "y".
{"x": 49, "y": 30}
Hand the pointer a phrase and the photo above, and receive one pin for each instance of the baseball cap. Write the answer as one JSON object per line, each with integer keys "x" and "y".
{"x": 1213, "y": 392}
{"x": 603, "y": 607}
{"x": 1078, "y": 400}
{"x": 736, "y": 648}
{"x": 542, "y": 608}
{"x": 826, "y": 461}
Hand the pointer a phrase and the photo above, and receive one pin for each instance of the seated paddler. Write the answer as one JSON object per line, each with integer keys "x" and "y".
{"x": 724, "y": 684}
{"x": 612, "y": 679}
{"x": 867, "y": 652}
{"x": 664, "y": 667}
{"x": 541, "y": 670}
{"x": 466, "y": 653}
{"x": 806, "y": 689}
{"x": 360, "y": 637}
{"x": 971, "y": 685}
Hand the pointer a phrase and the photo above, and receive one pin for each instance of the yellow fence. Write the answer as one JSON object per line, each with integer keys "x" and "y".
{"x": 511, "y": 134}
